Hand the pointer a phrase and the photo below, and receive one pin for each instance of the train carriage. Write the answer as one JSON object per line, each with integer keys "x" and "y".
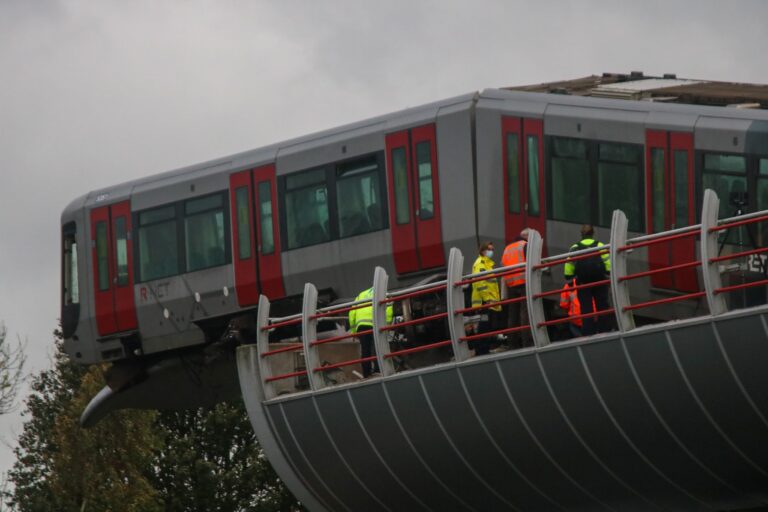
{"x": 157, "y": 268}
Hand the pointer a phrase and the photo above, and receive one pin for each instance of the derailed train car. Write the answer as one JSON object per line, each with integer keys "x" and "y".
{"x": 158, "y": 272}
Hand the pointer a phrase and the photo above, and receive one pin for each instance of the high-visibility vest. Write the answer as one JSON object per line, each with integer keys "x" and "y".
{"x": 488, "y": 290}
{"x": 363, "y": 317}
{"x": 569, "y": 270}
{"x": 513, "y": 255}
{"x": 569, "y": 301}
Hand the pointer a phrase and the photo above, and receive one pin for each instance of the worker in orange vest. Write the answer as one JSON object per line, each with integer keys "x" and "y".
{"x": 517, "y": 312}
{"x": 569, "y": 302}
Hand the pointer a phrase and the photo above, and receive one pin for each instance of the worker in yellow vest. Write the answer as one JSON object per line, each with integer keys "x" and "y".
{"x": 517, "y": 312}
{"x": 590, "y": 270}
{"x": 362, "y": 320}
{"x": 484, "y": 292}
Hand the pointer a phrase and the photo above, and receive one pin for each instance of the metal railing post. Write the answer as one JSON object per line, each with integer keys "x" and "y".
{"x": 533, "y": 287}
{"x": 309, "y": 336}
{"x": 380, "y": 339}
{"x": 620, "y": 289}
{"x": 708, "y": 249}
{"x": 262, "y": 345}
{"x": 454, "y": 300}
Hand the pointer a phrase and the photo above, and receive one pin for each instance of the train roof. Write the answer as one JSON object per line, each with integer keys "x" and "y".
{"x": 267, "y": 154}
{"x": 667, "y": 93}
{"x": 667, "y": 88}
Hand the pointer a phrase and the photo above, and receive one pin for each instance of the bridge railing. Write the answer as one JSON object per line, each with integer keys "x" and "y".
{"x": 455, "y": 310}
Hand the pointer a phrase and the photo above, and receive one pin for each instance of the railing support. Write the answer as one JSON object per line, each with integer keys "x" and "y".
{"x": 262, "y": 345}
{"x": 710, "y": 271}
{"x": 454, "y": 299}
{"x": 533, "y": 287}
{"x": 620, "y": 289}
{"x": 380, "y": 339}
{"x": 309, "y": 336}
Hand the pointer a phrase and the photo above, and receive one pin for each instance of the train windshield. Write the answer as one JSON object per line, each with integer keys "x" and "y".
{"x": 71, "y": 291}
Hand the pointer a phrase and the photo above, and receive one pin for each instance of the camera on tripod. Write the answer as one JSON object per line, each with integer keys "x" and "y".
{"x": 739, "y": 199}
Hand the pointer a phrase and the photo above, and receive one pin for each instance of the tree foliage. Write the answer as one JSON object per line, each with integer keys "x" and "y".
{"x": 178, "y": 461}
{"x": 12, "y": 359}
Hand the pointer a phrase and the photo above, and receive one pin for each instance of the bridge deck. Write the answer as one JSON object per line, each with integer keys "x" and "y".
{"x": 671, "y": 416}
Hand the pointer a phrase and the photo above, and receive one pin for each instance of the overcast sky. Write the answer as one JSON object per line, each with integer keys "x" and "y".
{"x": 95, "y": 93}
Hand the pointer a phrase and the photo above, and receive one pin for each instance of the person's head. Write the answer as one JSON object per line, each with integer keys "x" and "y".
{"x": 587, "y": 231}
{"x": 486, "y": 249}
{"x": 524, "y": 234}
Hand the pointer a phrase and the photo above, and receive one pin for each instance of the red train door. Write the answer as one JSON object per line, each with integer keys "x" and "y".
{"x": 268, "y": 234}
{"x": 244, "y": 250}
{"x": 255, "y": 235}
{"x": 414, "y": 199}
{"x": 112, "y": 253}
{"x": 669, "y": 178}
{"x": 523, "y": 155}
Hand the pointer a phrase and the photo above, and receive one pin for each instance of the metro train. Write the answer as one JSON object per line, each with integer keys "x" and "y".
{"x": 156, "y": 271}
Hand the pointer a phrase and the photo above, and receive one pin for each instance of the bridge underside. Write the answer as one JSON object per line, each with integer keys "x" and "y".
{"x": 665, "y": 417}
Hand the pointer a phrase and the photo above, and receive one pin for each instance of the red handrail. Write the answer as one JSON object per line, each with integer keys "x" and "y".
{"x": 560, "y": 261}
{"x": 289, "y": 348}
{"x": 577, "y": 317}
{"x": 414, "y": 294}
{"x": 421, "y": 348}
{"x": 281, "y": 324}
{"x": 490, "y": 275}
{"x": 344, "y": 363}
{"x": 415, "y": 321}
{"x": 738, "y": 255}
{"x": 645, "y": 243}
{"x": 738, "y": 223}
{"x": 660, "y": 270}
{"x": 494, "y": 333}
{"x": 740, "y": 286}
{"x": 285, "y": 376}
{"x": 488, "y": 305}
{"x": 572, "y": 288}
{"x": 650, "y": 303}
{"x": 341, "y": 310}
{"x": 341, "y": 337}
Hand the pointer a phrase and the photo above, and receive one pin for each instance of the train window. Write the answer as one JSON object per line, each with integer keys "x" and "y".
{"x": 400, "y": 177}
{"x": 243, "y": 223}
{"x": 204, "y": 232}
{"x": 571, "y": 184}
{"x": 359, "y": 197}
{"x": 121, "y": 251}
{"x": 680, "y": 160}
{"x": 158, "y": 243}
{"x": 657, "y": 189}
{"x": 513, "y": 174}
{"x": 726, "y": 175}
{"x": 102, "y": 255}
{"x": 762, "y": 200}
{"x": 620, "y": 183}
{"x": 306, "y": 212}
{"x": 725, "y": 163}
{"x": 265, "y": 209}
{"x": 424, "y": 164}
{"x": 533, "y": 175}
{"x": 70, "y": 281}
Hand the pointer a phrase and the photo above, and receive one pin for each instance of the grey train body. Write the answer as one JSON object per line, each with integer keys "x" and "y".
{"x": 184, "y": 311}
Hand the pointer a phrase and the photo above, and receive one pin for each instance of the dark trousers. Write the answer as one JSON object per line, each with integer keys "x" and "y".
{"x": 518, "y": 315}
{"x": 366, "y": 350}
{"x": 593, "y": 324}
{"x": 483, "y": 345}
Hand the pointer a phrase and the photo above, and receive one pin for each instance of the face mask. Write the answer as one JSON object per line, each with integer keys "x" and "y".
{"x": 489, "y": 254}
